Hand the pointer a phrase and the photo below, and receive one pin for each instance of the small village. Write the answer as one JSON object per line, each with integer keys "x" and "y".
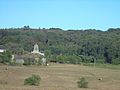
{"x": 34, "y": 57}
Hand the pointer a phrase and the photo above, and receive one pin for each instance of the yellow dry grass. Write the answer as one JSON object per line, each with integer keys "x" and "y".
{"x": 59, "y": 77}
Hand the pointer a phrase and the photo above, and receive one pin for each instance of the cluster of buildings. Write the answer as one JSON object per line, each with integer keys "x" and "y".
{"x": 35, "y": 54}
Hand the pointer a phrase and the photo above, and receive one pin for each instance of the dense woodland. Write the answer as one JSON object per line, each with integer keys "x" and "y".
{"x": 65, "y": 46}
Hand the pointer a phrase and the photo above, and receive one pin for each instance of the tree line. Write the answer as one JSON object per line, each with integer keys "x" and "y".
{"x": 65, "y": 46}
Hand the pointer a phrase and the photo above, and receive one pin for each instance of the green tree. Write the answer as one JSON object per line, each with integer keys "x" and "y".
{"x": 5, "y": 57}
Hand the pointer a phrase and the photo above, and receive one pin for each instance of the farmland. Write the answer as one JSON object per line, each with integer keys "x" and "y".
{"x": 59, "y": 77}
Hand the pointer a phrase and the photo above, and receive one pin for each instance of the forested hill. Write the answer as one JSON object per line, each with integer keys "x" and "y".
{"x": 70, "y": 45}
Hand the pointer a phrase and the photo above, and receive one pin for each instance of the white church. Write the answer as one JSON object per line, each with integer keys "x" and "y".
{"x": 36, "y": 50}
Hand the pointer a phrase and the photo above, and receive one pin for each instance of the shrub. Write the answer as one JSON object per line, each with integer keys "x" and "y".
{"x": 33, "y": 80}
{"x": 5, "y": 57}
{"x": 116, "y": 61}
{"x": 82, "y": 83}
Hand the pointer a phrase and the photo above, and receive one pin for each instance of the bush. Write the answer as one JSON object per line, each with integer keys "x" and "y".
{"x": 33, "y": 80}
{"x": 82, "y": 83}
{"x": 5, "y": 57}
{"x": 116, "y": 61}
{"x": 73, "y": 59}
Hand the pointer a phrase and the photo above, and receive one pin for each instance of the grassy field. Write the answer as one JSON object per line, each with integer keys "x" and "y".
{"x": 59, "y": 77}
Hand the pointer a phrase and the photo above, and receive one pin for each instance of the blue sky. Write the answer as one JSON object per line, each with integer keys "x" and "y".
{"x": 65, "y": 14}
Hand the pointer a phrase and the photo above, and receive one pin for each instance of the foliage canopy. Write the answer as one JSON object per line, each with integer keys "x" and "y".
{"x": 79, "y": 45}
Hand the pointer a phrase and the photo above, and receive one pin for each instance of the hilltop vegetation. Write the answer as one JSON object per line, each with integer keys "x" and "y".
{"x": 71, "y": 46}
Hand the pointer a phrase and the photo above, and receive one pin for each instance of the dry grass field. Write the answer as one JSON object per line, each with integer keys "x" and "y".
{"x": 59, "y": 77}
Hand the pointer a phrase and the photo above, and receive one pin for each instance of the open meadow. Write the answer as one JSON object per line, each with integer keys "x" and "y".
{"x": 59, "y": 77}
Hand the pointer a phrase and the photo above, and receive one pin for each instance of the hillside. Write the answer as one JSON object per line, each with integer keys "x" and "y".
{"x": 73, "y": 46}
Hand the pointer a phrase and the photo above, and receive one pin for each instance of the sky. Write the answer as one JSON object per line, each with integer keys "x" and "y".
{"x": 65, "y": 14}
